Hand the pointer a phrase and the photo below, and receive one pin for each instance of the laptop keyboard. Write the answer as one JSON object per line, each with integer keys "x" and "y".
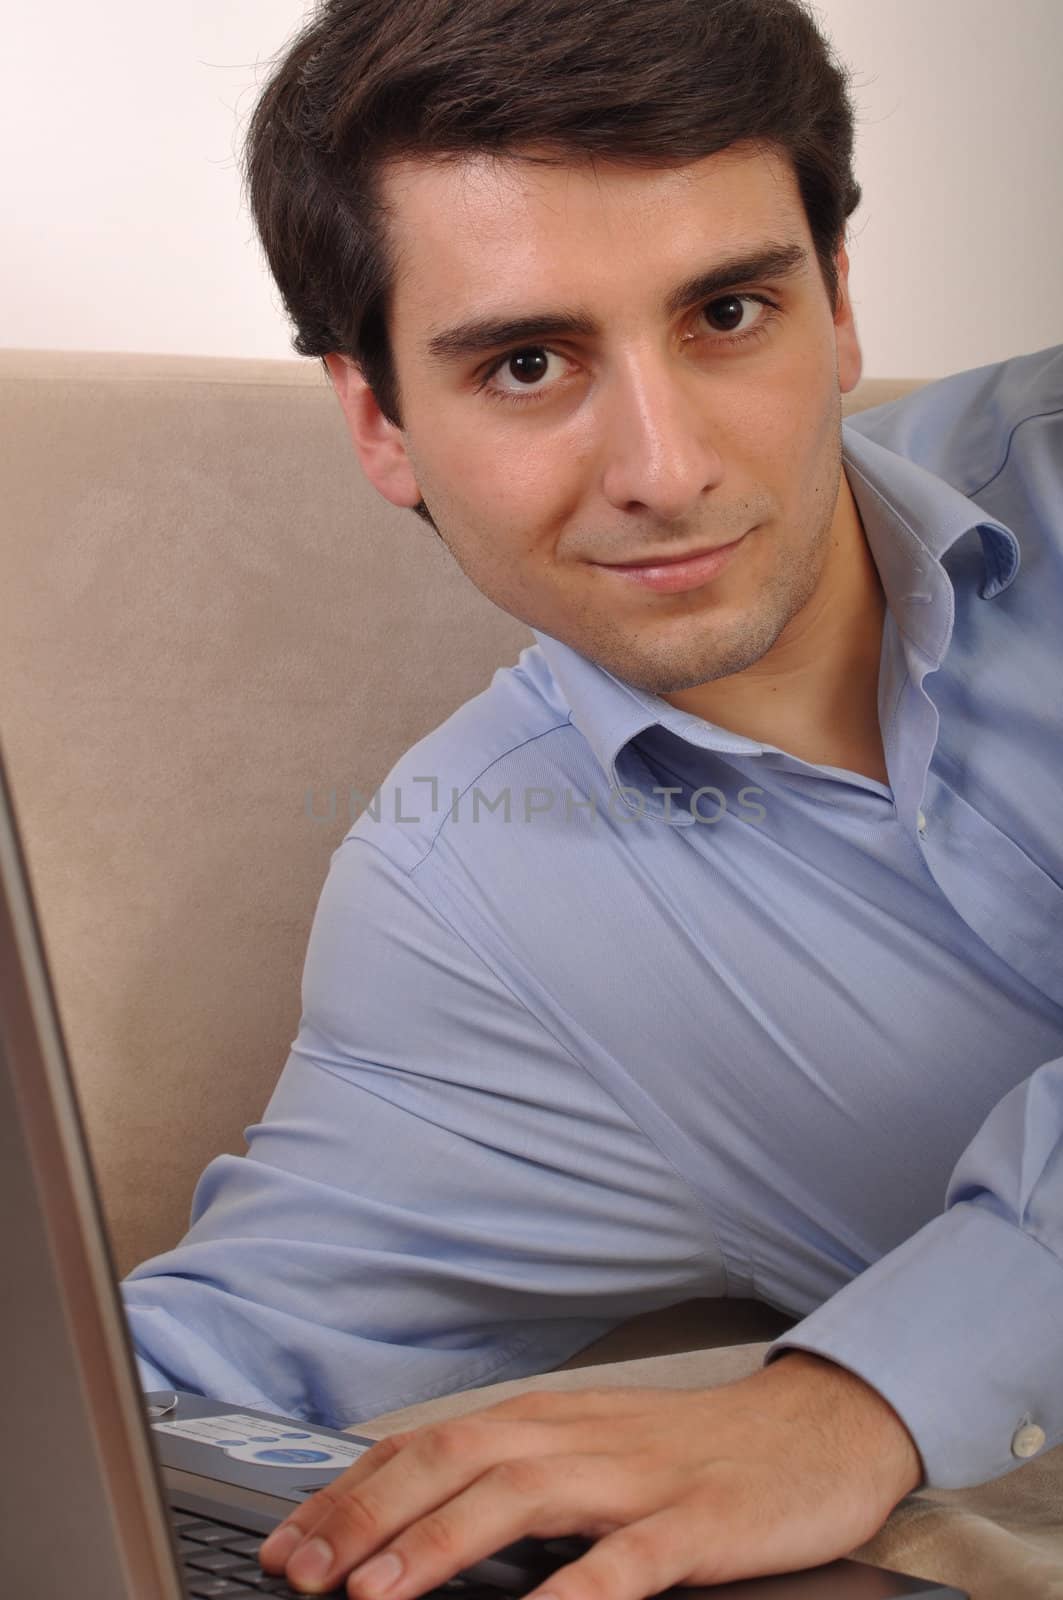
{"x": 220, "y": 1562}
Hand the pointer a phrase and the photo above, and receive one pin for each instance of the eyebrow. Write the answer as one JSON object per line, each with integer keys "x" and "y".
{"x": 481, "y": 335}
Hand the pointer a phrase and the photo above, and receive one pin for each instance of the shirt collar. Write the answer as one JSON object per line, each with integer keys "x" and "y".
{"x": 911, "y": 519}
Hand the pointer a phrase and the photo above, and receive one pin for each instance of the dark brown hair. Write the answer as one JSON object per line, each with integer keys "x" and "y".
{"x": 650, "y": 81}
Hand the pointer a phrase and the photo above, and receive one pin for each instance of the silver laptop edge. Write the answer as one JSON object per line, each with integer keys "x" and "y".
{"x": 81, "y": 1291}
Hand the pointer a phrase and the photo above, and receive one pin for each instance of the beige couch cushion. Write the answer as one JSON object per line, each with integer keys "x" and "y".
{"x": 207, "y": 618}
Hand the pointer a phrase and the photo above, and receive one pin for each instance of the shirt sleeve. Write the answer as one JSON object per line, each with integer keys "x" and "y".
{"x": 437, "y": 1197}
{"x": 961, "y": 1327}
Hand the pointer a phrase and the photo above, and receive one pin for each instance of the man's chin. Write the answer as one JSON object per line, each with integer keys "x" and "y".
{"x": 676, "y": 665}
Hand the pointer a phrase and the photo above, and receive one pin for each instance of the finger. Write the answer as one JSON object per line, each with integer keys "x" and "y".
{"x": 642, "y": 1558}
{"x": 356, "y": 1514}
{"x": 584, "y": 1405}
{"x": 555, "y": 1405}
{"x": 287, "y": 1535}
{"x": 541, "y": 1496}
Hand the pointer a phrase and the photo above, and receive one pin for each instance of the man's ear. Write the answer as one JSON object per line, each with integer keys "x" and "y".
{"x": 850, "y": 359}
{"x": 378, "y": 443}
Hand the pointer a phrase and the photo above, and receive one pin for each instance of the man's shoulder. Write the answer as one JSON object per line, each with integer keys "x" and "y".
{"x": 498, "y": 733}
{"x": 961, "y": 427}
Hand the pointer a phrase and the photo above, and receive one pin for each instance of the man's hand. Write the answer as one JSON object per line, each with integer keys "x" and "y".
{"x": 793, "y": 1466}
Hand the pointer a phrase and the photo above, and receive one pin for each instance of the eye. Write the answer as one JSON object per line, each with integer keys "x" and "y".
{"x": 524, "y": 372}
{"x": 730, "y": 309}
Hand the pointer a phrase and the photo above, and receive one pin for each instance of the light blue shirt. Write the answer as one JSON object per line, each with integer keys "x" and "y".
{"x": 605, "y": 1007}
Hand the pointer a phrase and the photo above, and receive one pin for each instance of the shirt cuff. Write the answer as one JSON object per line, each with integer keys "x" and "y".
{"x": 959, "y": 1329}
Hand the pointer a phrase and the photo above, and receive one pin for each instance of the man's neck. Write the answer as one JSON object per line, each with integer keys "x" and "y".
{"x": 815, "y": 694}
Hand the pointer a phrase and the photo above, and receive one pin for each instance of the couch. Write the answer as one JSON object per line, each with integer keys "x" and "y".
{"x": 211, "y": 631}
{"x": 215, "y": 640}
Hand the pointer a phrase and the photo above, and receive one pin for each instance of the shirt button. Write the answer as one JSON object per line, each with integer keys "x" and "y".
{"x": 1027, "y": 1441}
{"x": 921, "y": 822}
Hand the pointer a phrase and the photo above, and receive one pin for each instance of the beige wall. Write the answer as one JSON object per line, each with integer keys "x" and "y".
{"x": 122, "y": 228}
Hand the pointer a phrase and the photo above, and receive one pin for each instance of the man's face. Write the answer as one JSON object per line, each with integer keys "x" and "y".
{"x": 637, "y": 411}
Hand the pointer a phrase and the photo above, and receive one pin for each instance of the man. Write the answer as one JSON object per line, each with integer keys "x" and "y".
{"x": 743, "y": 978}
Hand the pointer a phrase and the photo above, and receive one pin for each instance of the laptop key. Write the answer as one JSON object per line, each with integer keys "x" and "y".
{"x": 245, "y": 1547}
{"x": 279, "y": 1590}
{"x": 202, "y": 1587}
{"x": 208, "y": 1532}
{"x": 568, "y": 1548}
{"x": 190, "y": 1547}
{"x": 251, "y": 1574}
{"x": 476, "y": 1591}
{"x": 216, "y": 1561}
{"x": 500, "y": 1575}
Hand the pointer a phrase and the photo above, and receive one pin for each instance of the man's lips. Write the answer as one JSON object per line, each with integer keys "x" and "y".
{"x": 669, "y": 560}
{"x": 671, "y": 574}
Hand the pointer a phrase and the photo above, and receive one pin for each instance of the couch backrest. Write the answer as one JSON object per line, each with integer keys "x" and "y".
{"x": 211, "y": 631}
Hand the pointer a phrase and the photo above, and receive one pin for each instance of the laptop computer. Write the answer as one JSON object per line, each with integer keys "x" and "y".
{"x": 110, "y": 1494}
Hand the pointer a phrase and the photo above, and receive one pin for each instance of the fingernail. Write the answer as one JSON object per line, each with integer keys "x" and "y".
{"x": 311, "y": 1562}
{"x": 281, "y": 1542}
{"x": 377, "y": 1575}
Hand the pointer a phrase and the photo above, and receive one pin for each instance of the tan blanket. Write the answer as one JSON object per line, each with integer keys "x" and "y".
{"x": 1000, "y": 1541}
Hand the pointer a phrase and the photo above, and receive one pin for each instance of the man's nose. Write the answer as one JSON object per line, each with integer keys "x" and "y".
{"x": 658, "y": 452}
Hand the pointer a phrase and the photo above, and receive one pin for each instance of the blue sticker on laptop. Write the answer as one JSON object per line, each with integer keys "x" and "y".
{"x": 266, "y": 1444}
